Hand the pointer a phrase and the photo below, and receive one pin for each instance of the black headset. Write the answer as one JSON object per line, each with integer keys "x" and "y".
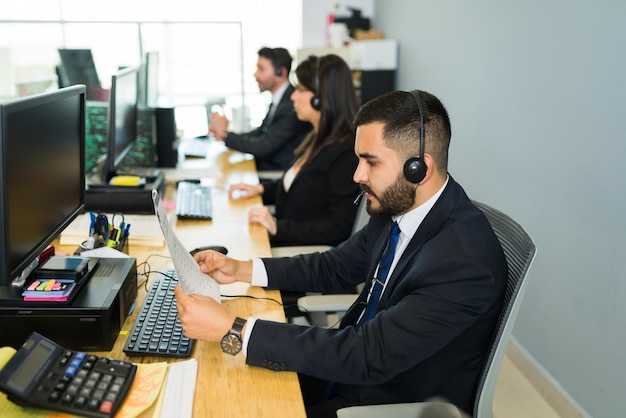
{"x": 316, "y": 102}
{"x": 415, "y": 167}
{"x": 278, "y": 69}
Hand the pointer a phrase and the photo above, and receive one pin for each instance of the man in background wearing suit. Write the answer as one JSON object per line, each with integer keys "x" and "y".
{"x": 423, "y": 324}
{"x": 274, "y": 142}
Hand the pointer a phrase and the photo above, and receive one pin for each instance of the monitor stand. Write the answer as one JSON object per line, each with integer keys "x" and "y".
{"x": 102, "y": 197}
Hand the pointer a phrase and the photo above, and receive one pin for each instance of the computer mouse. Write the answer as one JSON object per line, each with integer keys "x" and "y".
{"x": 217, "y": 248}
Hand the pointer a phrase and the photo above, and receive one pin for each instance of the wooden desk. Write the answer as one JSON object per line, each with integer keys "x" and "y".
{"x": 226, "y": 386}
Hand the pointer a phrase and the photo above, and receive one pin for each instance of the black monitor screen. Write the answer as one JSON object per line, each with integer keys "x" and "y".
{"x": 122, "y": 118}
{"x": 78, "y": 67}
{"x": 42, "y": 179}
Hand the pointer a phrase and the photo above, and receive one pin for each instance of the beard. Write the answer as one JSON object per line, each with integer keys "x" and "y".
{"x": 395, "y": 200}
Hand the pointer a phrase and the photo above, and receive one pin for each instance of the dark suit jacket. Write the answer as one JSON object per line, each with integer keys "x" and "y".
{"x": 434, "y": 322}
{"x": 273, "y": 143}
{"x": 318, "y": 208}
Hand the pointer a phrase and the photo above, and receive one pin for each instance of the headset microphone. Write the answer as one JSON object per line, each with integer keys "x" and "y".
{"x": 358, "y": 198}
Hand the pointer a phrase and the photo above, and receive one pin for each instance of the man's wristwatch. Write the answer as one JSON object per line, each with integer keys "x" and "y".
{"x": 231, "y": 343}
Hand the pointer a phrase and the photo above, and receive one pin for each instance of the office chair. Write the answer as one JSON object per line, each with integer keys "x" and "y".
{"x": 519, "y": 250}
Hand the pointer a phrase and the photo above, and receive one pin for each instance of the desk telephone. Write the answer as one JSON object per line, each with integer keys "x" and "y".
{"x": 43, "y": 374}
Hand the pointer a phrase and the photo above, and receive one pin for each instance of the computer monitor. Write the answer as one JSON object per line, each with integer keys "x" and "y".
{"x": 149, "y": 80}
{"x": 122, "y": 119}
{"x": 78, "y": 67}
{"x": 42, "y": 177}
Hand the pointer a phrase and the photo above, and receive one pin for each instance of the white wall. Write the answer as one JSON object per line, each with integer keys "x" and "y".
{"x": 536, "y": 96}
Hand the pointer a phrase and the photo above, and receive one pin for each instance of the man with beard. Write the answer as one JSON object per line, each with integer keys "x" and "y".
{"x": 274, "y": 142}
{"x": 433, "y": 291}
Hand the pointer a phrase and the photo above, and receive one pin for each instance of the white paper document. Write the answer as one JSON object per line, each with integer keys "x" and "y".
{"x": 180, "y": 389}
{"x": 190, "y": 278}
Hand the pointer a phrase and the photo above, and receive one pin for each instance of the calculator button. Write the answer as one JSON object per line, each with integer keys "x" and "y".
{"x": 54, "y": 396}
{"x": 110, "y": 397}
{"x": 116, "y": 368}
{"x": 116, "y": 388}
{"x": 72, "y": 389}
{"x": 98, "y": 394}
{"x": 67, "y": 399}
{"x": 91, "y": 383}
{"x": 93, "y": 404}
{"x": 102, "y": 385}
{"x": 106, "y": 407}
{"x": 70, "y": 371}
{"x": 85, "y": 391}
{"x": 81, "y": 401}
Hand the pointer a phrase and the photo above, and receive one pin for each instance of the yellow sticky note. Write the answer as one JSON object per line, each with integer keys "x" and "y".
{"x": 127, "y": 181}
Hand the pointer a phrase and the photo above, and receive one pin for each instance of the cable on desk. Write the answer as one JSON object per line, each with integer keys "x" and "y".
{"x": 147, "y": 273}
{"x": 147, "y": 270}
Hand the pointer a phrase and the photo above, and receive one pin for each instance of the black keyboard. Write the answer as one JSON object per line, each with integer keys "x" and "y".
{"x": 157, "y": 330}
{"x": 193, "y": 201}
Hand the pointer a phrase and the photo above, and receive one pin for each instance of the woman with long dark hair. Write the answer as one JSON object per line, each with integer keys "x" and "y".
{"x": 314, "y": 198}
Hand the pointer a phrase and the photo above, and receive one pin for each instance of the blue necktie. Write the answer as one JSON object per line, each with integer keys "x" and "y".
{"x": 381, "y": 277}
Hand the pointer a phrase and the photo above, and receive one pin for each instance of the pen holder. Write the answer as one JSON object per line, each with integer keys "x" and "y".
{"x": 99, "y": 242}
{"x": 122, "y": 245}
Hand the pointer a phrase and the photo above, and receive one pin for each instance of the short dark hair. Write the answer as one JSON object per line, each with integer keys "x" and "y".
{"x": 279, "y": 57}
{"x": 398, "y": 111}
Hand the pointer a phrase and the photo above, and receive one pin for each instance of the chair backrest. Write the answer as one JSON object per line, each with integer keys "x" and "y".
{"x": 519, "y": 250}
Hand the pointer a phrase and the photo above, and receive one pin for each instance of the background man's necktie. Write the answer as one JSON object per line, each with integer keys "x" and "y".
{"x": 270, "y": 115}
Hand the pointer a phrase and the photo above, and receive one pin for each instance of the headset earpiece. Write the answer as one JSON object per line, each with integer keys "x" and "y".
{"x": 276, "y": 62}
{"x": 415, "y": 168}
{"x": 316, "y": 102}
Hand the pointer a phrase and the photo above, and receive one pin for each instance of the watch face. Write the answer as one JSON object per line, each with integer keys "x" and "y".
{"x": 231, "y": 344}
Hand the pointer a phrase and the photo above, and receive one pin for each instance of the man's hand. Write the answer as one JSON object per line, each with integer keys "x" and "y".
{"x": 218, "y": 126}
{"x": 201, "y": 316}
{"x": 223, "y": 269}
